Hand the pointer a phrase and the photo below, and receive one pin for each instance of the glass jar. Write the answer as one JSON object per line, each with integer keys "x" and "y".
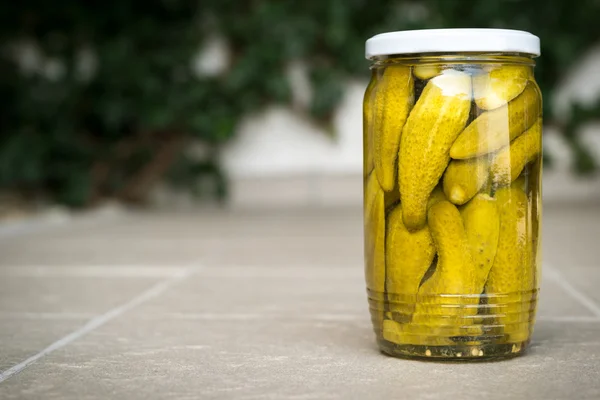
{"x": 452, "y": 186}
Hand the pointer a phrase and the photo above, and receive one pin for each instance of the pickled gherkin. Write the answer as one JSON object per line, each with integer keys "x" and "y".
{"x": 482, "y": 226}
{"x": 495, "y": 129}
{"x": 393, "y": 99}
{"x": 456, "y": 274}
{"x": 368, "y": 126}
{"x": 463, "y": 179}
{"x": 408, "y": 257}
{"x": 511, "y": 274}
{"x": 425, "y": 72}
{"x": 432, "y": 126}
{"x": 497, "y": 87}
{"x": 452, "y": 204}
{"x": 508, "y": 163}
{"x": 375, "y": 247}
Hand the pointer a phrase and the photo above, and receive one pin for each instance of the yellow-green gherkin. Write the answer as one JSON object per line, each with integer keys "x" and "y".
{"x": 408, "y": 255}
{"x": 495, "y": 129}
{"x": 368, "y": 106}
{"x": 374, "y": 215}
{"x": 482, "y": 226}
{"x": 508, "y": 163}
{"x": 511, "y": 275}
{"x": 393, "y": 98}
{"x": 447, "y": 300}
{"x": 425, "y": 72}
{"x": 432, "y": 126}
{"x": 502, "y": 84}
{"x": 464, "y": 178}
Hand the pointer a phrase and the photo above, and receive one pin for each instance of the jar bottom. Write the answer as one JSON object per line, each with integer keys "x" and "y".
{"x": 457, "y": 352}
{"x": 454, "y": 327}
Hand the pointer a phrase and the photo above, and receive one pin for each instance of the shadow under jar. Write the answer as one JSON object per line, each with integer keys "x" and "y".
{"x": 452, "y": 192}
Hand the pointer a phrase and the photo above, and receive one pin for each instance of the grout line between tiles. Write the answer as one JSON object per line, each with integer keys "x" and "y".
{"x": 100, "y": 320}
{"x": 585, "y": 301}
{"x": 36, "y": 316}
{"x": 247, "y": 316}
{"x": 55, "y": 220}
{"x": 266, "y": 316}
{"x": 91, "y": 271}
{"x": 324, "y": 317}
{"x": 568, "y": 319}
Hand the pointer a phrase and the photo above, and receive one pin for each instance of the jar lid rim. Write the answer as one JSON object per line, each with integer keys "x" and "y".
{"x": 453, "y": 41}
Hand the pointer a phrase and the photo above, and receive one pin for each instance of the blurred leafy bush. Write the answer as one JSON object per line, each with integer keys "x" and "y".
{"x": 108, "y": 103}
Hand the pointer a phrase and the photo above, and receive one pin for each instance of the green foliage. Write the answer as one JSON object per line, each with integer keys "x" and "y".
{"x": 77, "y": 137}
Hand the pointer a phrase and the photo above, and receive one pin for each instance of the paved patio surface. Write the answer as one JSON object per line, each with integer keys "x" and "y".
{"x": 258, "y": 305}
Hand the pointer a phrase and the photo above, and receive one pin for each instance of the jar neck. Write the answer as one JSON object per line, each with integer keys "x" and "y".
{"x": 454, "y": 58}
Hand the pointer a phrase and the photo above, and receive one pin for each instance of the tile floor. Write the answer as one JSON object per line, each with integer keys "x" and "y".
{"x": 258, "y": 305}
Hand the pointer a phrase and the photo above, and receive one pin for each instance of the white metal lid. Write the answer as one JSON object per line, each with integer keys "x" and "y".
{"x": 452, "y": 41}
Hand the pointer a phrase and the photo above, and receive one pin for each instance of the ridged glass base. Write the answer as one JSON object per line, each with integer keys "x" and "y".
{"x": 458, "y": 352}
{"x": 453, "y": 327}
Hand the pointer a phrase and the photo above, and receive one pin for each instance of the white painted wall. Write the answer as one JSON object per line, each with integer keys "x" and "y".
{"x": 279, "y": 142}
